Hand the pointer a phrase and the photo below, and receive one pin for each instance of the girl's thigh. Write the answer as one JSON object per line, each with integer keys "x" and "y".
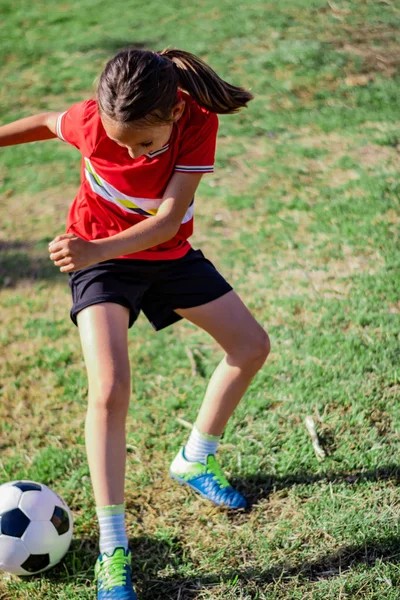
{"x": 103, "y": 330}
{"x": 230, "y": 323}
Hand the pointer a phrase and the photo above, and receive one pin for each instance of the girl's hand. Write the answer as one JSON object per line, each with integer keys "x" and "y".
{"x": 71, "y": 253}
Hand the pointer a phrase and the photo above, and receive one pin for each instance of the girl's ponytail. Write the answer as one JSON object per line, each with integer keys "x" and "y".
{"x": 204, "y": 85}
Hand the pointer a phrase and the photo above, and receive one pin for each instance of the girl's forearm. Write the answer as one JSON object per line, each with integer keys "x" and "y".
{"x": 143, "y": 235}
{"x": 30, "y": 129}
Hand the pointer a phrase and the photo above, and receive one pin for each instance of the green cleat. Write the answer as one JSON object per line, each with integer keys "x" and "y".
{"x": 207, "y": 479}
{"x": 113, "y": 574}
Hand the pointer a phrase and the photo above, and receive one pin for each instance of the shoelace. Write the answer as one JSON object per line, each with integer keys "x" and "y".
{"x": 113, "y": 572}
{"x": 217, "y": 473}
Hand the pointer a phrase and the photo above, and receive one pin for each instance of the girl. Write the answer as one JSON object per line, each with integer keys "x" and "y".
{"x": 145, "y": 142}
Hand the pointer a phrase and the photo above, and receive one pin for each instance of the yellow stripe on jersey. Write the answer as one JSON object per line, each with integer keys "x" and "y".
{"x": 92, "y": 171}
{"x": 146, "y": 207}
{"x": 129, "y": 204}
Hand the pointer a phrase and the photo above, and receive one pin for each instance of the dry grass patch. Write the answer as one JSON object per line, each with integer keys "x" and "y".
{"x": 243, "y": 168}
{"x": 377, "y": 46}
{"x": 262, "y": 182}
{"x": 373, "y": 155}
{"x": 334, "y": 281}
{"x": 391, "y": 216}
{"x": 44, "y": 214}
{"x": 369, "y": 156}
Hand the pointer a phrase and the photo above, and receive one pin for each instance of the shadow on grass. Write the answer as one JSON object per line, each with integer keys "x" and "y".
{"x": 22, "y": 260}
{"x": 151, "y": 556}
{"x": 260, "y": 486}
{"x": 113, "y": 45}
{"x": 326, "y": 566}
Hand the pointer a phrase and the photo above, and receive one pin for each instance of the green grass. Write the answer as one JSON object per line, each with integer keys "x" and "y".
{"x": 306, "y": 229}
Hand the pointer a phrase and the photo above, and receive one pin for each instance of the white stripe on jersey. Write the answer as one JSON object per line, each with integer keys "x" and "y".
{"x": 145, "y": 207}
{"x": 157, "y": 152}
{"x": 58, "y": 127}
{"x": 194, "y": 169}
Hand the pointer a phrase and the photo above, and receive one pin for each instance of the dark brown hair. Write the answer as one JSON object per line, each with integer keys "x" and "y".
{"x": 141, "y": 86}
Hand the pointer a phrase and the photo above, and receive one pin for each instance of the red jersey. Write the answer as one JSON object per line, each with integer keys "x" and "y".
{"x": 117, "y": 191}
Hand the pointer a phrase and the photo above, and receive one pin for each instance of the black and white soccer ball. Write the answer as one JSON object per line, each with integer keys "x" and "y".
{"x": 35, "y": 527}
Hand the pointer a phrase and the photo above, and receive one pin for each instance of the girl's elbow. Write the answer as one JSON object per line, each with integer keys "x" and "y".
{"x": 170, "y": 228}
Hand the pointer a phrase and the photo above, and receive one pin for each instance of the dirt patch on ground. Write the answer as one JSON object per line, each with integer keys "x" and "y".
{"x": 391, "y": 216}
{"x": 343, "y": 159}
{"x": 373, "y": 155}
{"x": 377, "y": 45}
{"x": 241, "y": 169}
{"x": 330, "y": 278}
{"x": 368, "y": 156}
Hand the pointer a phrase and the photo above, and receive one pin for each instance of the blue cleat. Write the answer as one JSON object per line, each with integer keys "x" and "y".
{"x": 207, "y": 479}
{"x": 113, "y": 574}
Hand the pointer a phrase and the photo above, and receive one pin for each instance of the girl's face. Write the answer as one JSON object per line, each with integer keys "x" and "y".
{"x": 142, "y": 140}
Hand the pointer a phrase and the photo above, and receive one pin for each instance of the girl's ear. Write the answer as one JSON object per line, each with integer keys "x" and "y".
{"x": 177, "y": 110}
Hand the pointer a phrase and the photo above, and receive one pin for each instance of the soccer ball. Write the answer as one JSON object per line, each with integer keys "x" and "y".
{"x": 35, "y": 527}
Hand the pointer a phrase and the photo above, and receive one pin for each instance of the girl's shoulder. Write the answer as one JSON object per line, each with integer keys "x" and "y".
{"x": 80, "y": 125}
{"x": 196, "y": 119}
{"x": 90, "y": 125}
{"x": 83, "y": 112}
{"x": 195, "y": 138}
{"x": 90, "y": 115}
{"x": 194, "y": 115}
{"x": 90, "y": 109}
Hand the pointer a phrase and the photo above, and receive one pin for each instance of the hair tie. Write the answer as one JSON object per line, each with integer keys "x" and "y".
{"x": 165, "y": 57}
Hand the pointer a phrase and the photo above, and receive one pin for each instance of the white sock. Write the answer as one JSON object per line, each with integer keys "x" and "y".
{"x": 199, "y": 445}
{"x": 112, "y": 527}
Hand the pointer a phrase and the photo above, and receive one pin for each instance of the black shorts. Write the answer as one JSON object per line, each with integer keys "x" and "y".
{"x": 156, "y": 287}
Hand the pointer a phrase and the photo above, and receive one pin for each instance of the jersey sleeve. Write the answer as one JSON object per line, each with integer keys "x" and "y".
{"x": 197, "y": 153}
{"x": 70, "y": 125}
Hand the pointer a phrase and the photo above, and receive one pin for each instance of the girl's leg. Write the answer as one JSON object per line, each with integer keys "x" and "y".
{"x": 103, "y": 330}
{"x": 247, "y": 347}
{"x": 104, "y": 336}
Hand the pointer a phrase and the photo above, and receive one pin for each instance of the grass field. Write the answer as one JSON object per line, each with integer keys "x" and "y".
{"x": 302, "y": 217}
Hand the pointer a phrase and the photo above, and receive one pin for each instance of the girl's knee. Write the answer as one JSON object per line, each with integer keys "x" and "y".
{"x": 110, "y": 396}
{"x": 253, "y": 351}
{"x": 265, "y": 345}
{"x": 261, "y": 347}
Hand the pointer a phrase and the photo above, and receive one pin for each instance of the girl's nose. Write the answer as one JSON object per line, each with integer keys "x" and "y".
{"x": 136, "y": 154}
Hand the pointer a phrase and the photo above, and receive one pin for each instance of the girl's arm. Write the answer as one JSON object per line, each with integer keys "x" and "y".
{"x": 160, "y": 228}
{"x": 30, "y": 129}
{"x": 72, "y": 253}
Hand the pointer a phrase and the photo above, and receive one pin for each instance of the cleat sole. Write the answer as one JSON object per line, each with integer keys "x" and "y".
{"x": 184, "y": 482}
